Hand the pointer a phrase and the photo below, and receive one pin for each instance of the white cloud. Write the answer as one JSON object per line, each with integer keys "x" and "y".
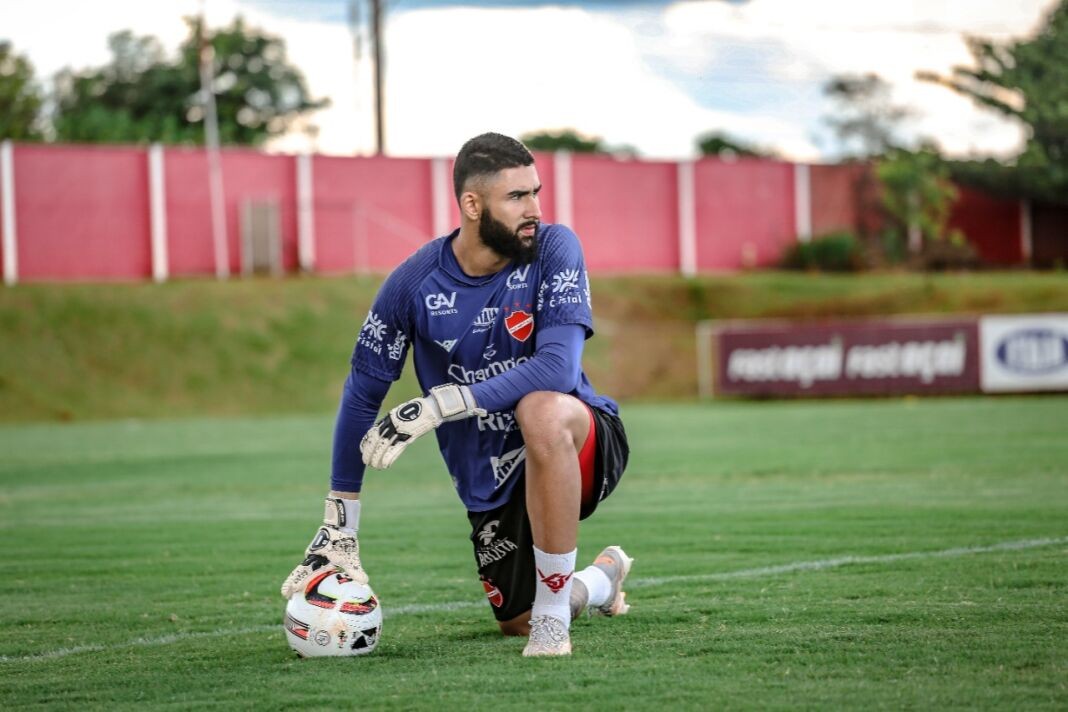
{"x": 653, "y": 78}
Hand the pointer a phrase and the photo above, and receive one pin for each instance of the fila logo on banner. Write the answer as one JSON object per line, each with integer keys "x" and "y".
{"x": 520, "y": 325}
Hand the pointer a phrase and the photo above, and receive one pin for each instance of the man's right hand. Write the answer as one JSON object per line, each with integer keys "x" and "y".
{"x": 330, "y": 547}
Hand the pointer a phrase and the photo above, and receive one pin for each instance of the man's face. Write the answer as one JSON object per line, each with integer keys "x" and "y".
{"x": 510, "y": 214}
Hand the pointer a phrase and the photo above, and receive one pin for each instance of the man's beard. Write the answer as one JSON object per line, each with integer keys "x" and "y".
{"x": 507, "y": 243}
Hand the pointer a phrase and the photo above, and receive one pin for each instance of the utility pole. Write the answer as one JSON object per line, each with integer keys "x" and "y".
{"x": 216, "y": 193}
{"x": 376, "y": 38}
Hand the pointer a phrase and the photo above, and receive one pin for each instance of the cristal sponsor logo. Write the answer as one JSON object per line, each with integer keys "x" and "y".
{"x": 372, "y": 333}
{"x": 565, "y": 280}
{"x": 446, "y": 344}
{"x": 468, "y": 376}
{"x": 439, "y": 304}
{"x": 486, "y": 318}
{"x": 1033, "y": 351}
{"x": 518, "y": 278}
{"x": 505, "y": 465}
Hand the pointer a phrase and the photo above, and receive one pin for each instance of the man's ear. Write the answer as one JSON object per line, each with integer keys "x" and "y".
{"x": 471, "y": 205}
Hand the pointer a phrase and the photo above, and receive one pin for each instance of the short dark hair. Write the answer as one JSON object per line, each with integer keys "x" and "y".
{"x": 485, "y": 155}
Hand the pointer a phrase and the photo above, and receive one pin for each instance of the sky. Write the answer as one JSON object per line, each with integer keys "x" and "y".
{"x": 649, "y": 75}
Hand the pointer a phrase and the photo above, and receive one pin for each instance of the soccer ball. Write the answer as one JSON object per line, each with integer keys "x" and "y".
{"x": 333, "y": 616}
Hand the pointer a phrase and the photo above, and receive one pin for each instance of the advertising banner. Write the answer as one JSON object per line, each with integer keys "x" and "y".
{"x": 1024, "y": 352}
{"x": 871, "y": 357}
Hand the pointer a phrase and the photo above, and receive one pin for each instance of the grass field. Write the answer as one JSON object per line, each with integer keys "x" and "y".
{"x": 849, "y": 554}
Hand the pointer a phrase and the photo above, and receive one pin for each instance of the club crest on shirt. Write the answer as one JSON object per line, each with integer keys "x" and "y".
{"x": 520, "y": 325}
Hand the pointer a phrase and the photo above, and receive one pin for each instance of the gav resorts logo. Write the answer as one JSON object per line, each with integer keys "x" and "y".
{"x": 1033, "y": 351}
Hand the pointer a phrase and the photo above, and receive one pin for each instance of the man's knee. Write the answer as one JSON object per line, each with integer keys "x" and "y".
{"x": 549, "y": 420}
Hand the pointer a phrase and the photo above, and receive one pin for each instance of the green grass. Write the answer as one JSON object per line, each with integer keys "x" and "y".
{"x": 140, "y": 563}
{"x": 249, "y": 347}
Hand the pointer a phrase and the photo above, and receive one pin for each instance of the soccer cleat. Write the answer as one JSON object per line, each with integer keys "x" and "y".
{"x": 616, "y": 565}
{"x": 548, "y": 637}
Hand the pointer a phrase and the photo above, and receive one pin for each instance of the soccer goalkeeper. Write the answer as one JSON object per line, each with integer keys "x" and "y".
{"x": 497, "y": 314}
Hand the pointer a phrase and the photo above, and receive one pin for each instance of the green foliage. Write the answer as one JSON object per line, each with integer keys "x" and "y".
{"x": 143, "y": 96}
{"x": 864, "y": 118}
{"x": 715, "y": 143}
{"x": 834, "y": 252}
{"x": 175, "y": 535}
{"x": 565, "y": 140}
{"x": 917, "y": 192}
{"x": 20, "y": 98}
{"x": 1026, "y": 80}
{"x": 92, "y": 351}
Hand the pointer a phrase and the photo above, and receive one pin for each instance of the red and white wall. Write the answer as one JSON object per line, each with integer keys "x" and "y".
{"x": 105, "y": 213}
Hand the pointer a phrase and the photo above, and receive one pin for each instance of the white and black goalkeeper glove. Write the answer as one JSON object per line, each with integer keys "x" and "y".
{"x": 334, "y": 544}
{"x": 386, "y": 440}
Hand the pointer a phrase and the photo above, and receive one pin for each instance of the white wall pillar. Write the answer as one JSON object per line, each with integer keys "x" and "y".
{"x": 157, "y": 202}
{"x": 7, "y": 195}
{"x": 687, "y": 207}
{"x": 803, "y": 202}
{"x": 441, "y": 195}
{"x": 305, "y": 213}
{"x": 563, "y": 206}
{"x": 1027, "y": 245}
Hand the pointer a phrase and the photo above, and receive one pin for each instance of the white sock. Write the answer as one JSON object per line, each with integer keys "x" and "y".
{"x": 597, "y": 583}
{"x": 552, "y": 591}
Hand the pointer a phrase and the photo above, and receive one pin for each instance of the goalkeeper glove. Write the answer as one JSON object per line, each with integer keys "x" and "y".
{"x": 334, "y": 544}
{"x": 386, "y": 440}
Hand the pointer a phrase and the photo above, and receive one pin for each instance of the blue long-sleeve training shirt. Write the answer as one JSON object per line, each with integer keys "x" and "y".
{"x": 504, "y": 335}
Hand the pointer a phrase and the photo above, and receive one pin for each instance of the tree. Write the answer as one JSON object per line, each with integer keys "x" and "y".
{"x": 20, "y": 99}
{"x": 917, "y": 193}
{"x": 565, "y": 140}
{"x": 143, "y": 96}
{"x": 714, "y": 143}
{"x": 1026, "y": 80}
{"x": 865, "y": 120}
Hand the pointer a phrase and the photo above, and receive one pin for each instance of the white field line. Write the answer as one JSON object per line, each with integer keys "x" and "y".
{"x": 415, "y": 608}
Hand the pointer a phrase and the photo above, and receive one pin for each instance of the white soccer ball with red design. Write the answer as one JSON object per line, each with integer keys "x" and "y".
{"x": 333, "y": 616}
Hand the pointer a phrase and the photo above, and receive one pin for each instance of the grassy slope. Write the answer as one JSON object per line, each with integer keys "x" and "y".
{"x": 143, "y": 350}
{"x": 159, "y": 546}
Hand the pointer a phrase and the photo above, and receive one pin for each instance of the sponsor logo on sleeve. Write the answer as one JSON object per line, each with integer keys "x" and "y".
{"x": 565, "y": 289}
{"x": 565, "y": 280}
{"x": 440, "y": 304}
{"x": 372, "y": 333}
{"x": 396, "y": 349}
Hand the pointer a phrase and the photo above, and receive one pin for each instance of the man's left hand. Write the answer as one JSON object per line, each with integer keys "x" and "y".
{"x": 386, "y": 440}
